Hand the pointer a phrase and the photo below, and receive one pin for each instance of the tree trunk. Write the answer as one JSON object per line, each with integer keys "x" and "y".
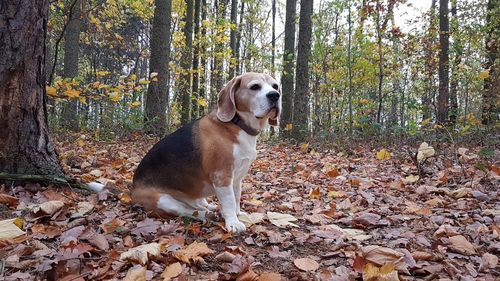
{"x": 457, "y": 43}
{"x": 195, "y": 110}
{"x": 430, "y": 68}
{"x": 491, "y": 89}
{"x": 186, "y": 60}
{"x": 349, "y": 66}
{"x": 71, "y": 52}
{"x": 232, "y": 38}
{"x": 287, "y": 78}
{"x": 218, "y": 59}
{"x": 238, "y": 38}
{"x": 444, "y": 43}
{"x": 380, "y": 62}
{"x": 25, "y": 143}
{"x": 301, "y": 111}
{"x": 157, "y": 98}
{"x": 273, "y": 38}
{"x": 203, "y": 57}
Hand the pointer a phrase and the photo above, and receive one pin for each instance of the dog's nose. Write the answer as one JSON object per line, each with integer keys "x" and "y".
{"x": 273, "y": 96}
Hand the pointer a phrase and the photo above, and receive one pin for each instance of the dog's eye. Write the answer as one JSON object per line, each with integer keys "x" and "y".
{"x": 275, "y": 86}
{"x": 255, "y": 87}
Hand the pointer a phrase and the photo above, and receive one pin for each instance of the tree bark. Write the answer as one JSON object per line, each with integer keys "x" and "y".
{"x": 443, "y": 72}
{"x": 25, "y": 143}
{"x": 195, "y": 110}
{"x": 232, "y": 38}
{"x": 186, "y": 60}
{"x": 430, "y": 68}
{"x": 203, "y": 57}
{"x": 457, "y": 45}
{"x": 273, "y": 38}
{"x": 71, "y": 54}
{"x": 491, "y": 90}
{"x": 157, "y": 98}
{"x": 238, "y": 39}
{"x": 287, "y": 77}
{"x": 301, "y": 111}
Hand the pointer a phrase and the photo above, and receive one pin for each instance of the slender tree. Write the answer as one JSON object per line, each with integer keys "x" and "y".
{"x": 490, "y": 105}
{"x": 444, "y": 43}
{"x": 186, "y": 64}
{"x": 25, "y": 143}
{"x": 195, "y": 110}
{"x": 233, "y": 39}
{"x": 157, "y": 98}
{"x": 273, "y": 38}
{"x": 301, "y": 110}
{"x": 287, "y": 77}
{"x": 457, "y": 60}
{"x": 71, "y": 54}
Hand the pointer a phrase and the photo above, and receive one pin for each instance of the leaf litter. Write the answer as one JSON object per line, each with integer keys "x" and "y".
{"x": 312, "y": 214}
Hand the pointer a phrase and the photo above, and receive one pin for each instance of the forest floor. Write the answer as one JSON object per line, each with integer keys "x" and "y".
{"x": 314, "y": 214}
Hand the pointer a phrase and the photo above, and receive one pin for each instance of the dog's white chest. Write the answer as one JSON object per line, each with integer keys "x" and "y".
{"x": 244, "y": 152}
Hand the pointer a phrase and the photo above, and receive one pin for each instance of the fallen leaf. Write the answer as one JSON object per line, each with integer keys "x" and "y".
{"x": 141, "y": 254}
{"x": 193, "y": 253}
{"x": 383, "y": 154}
{"x": 9, "y": 229}
{"x": 8, "y": 200}
{"x": 425, "y": 151}
{"x": 315, "y": 193}
{"x": 269, "y": 276}
{"x": 136, "y": 274}
{"x": 333, "y": 173}
{"x": 49, "y": 207}
{"x": 488, "y": 261}
{"x": 460, "y": 245}
{"x": 172, "y": 271}
{"x": 251, "y": 219}
{"x": 411, "y": 179}
{"x": 112, "y": 225}
{"x": 306, "y": 264}
{"x": 146, "y": 227}
{"x": 281, "y": 220}
{"x": 382, "y": 255}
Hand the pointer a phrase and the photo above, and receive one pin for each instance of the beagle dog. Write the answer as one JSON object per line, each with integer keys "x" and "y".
{"x": 209, "y": 156}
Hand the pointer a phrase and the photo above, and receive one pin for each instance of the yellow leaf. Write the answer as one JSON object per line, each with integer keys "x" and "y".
{"x": 202, "y": 102}
{"x": 51, "y": 91}
{"x": 144, "y": 81}
{"x": 135, "y": 104}
{"x": 133, "y": 77}
{"x": 411, "y": 179}
{"x": 115, "y": 96}
{"x": 315, "y": 193}
{"x": 83, "y": 100}
{"x": 289, "y": 127}
{"x": 107, "y": 25}
{"x": 72, "y": 93}
{"x": 102, "y": 73}
{"x": 334, "y": 194}
{"x": 484, "y": 74}
{"x": 153, "y": 74}
{"x": 304, "y": 147}
{"x": 383, "y": 154}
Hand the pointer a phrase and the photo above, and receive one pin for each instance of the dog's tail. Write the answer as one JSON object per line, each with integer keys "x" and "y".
{"x": 95, "y": 186}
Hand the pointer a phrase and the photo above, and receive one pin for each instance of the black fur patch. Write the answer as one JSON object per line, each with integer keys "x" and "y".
{"x": 174, "y": 162}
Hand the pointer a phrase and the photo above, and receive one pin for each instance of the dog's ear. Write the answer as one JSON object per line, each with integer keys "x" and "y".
{"x": 273, "y": 122}
{"x": 226, "y": 106}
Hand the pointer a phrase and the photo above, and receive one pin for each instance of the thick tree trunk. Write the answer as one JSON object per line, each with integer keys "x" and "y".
{"x": 287, "y": 77}
{"x": 157, "y": 98}
{"x": 186, "y": 60}
{"x": 301, "y": 110}
{"x": 203, "y": 57}
{"x": 195, "y": 111}
{"x": 232, "y": 38}
{"x": 238, "y": 39}
{"x": 490, "y": 105}
{"x": 25, "y": 144}
{"x": 71, "y": 53}
{"x": 444, "y": 43}
{"x": 430, "y": 65}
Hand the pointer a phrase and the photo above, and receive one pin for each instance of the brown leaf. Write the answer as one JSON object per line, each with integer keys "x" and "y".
{"x": 460, "y": 245}
{"x": 193, "y": 253}
{"x": 172, "y": 271}
{"x": 333, "y": 173}
{"x": 381, "y": 256}
{"x": 136, "y": 274}
{"x": 112, "y": 225}
{"x": 49, "y": 231}
{"x": 269, "y": 276}
{"x": 488, "y": 261}
{"x": 8, "y": 200}
{"x": 48, "y": 208}
{"x": 306, "y": 264}
{"x": 422, "y": 256}
{"x": 141, "y": 254}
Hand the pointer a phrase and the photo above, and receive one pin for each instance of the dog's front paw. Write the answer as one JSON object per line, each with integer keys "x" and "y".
{"x": 211, "y": 206}
{"x": 235, "y": 226}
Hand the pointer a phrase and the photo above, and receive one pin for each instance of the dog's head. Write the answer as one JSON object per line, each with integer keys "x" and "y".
{"x": 255, "y": 97}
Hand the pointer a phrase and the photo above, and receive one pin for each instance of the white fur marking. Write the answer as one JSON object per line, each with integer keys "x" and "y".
{"x": 95, "y": 186}
{"x": 225, "y": 194}
{"x": 193, "y": 209}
